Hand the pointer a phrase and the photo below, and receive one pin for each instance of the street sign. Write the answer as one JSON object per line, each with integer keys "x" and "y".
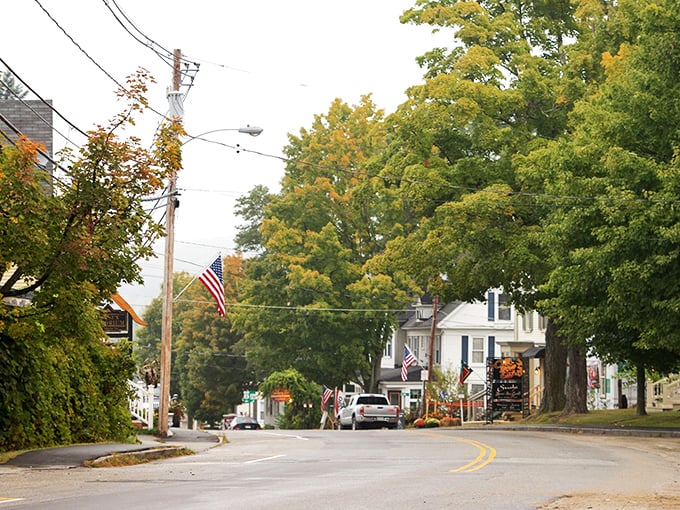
{"x": 249, "y": 396}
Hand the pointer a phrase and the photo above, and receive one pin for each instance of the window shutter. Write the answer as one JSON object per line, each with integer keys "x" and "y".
{"x": 491, "y": 347}
{"x": 464, "y": 349}
{"x": 491, "y": 305}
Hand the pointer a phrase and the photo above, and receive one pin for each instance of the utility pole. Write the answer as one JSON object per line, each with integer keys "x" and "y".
{"x": 176, "y": 113}
{"x": 433, "y": 332}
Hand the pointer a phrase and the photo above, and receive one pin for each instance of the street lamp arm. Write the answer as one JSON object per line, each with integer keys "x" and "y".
{"x": 248, "y": 130}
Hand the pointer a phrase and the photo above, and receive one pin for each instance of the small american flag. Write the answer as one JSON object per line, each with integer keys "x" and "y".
{"x": 326, "y": 395}
{"x": 212, "y": 279}
{"x": 409, "y": 359}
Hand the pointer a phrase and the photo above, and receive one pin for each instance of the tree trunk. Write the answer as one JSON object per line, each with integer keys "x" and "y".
{"x": 577, "y": 380}
{"x": 641, "y": 377}
{"x": 555, "y": 371}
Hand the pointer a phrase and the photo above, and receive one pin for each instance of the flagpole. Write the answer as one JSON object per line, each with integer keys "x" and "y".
{"x": 174, "y": 300}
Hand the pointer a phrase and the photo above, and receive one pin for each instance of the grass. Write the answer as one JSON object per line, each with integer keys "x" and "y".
{"x": 141, "y": 457}
{"x": 614, "y": 418}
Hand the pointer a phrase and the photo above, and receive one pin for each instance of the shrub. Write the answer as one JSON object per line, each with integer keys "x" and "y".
{"x": 448, "y": 421}
{"x": 432, "y": 422}
{"x": 419, "y": 423}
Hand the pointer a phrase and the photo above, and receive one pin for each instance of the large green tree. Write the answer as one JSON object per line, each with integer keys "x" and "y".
{"x": 504, "y": 87}
{"x": 618, "y": 233}
{"x": 312, "y": 306}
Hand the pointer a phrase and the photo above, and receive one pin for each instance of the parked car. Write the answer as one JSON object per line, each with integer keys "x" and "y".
{"x": 226, "y": 420}
{"x": 244, "y": 423}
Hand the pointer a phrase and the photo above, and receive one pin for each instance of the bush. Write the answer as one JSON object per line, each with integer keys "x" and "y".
{"x": 448, "y": 421}
{"x": 419, "y": 423}
{"x": 432, "y": 422}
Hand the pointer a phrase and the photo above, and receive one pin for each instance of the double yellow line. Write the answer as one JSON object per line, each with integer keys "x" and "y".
{"x": 486, "y": 453}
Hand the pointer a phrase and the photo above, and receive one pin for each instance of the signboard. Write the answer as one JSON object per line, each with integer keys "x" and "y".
{"x": 280, "y": 395}
{"x": 508, "y": 383}
{"x": 249, "y": 396}
{"x": 117, "y": 324}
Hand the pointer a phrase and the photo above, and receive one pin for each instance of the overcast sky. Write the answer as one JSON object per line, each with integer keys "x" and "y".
{"x": 268, "y": 63}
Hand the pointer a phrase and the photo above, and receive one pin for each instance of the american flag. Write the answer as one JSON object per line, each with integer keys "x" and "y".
{"x": 326, "y": 395}
{"x": 212, "y": 279}
{"x": 338, "y": 399}
{"x": 409, "y": 359}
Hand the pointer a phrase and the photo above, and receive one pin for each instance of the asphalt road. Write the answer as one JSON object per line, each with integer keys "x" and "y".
{"x": 382, "y": 469}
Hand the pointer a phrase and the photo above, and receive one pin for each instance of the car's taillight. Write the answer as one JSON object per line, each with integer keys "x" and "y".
{"x": 361, "y": 410}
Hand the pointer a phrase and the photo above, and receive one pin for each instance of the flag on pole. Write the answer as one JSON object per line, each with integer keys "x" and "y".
{"x": 465, "y": 372}
{"x": 336, "y": 402}
{"x": 212, "y": 279}
{"x": 326, "y": 395}
{"x": 409, "y": 359}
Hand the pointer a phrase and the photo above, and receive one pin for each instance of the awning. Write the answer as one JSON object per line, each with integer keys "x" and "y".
{"x": 534, "y": 352}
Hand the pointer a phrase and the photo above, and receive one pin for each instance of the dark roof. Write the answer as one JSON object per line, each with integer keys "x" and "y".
{"x": 414, "y": 323}
{"x": 534, "y": 352}
{"x": 394, "y": 374}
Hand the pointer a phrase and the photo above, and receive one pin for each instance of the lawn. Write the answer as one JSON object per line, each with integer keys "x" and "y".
{"x": 615, "y": 418}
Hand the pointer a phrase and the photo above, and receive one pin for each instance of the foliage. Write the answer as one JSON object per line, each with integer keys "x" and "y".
{"x": 9, "y": 88}
{"x": 617, "y": 244}
{"x": 448, "y": 421}
{"x": 444, "y": 385}
{"x": 309, "y": 291}
{"x": 431, "y": 423}
{"x": 66, "y": 244}
{"x": 302, "y": 391}
{"x": 419, "y": 423}
{"x": 209, "y": 374}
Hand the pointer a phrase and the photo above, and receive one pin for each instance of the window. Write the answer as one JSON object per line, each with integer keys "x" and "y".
{"x": 438, "y": 349}
{"x": 388, "y": 350}
{"x": 503, "y": 307}
{"x": 414, "y": 346}
{"x": 542, "y": 322}
{"x": 478, "y": 350}
{"x": 476, "y": 389}
{"x": 528, "y": 321}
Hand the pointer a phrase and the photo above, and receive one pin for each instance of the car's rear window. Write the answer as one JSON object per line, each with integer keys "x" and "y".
{"x": 372, "y": 400}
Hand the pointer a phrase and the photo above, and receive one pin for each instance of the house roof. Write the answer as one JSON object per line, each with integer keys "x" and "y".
{"x": 413, "y": 322}
{"x": 394, "y": 374}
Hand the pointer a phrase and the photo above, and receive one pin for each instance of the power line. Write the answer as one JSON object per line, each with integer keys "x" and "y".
{"x": 46, "y": 103}
{"x": 123, "y": 88}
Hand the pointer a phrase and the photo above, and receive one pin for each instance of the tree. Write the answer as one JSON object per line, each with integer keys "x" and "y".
{"x": 617, "y": 244}
{"x": 458, "y": 144}
{"x": 302, "y": 391}
{"x": 66, "y": 244}
{"x": 9, "y": 88}
{"x": 312, "y": 305}
{"x": 209, "y": 373}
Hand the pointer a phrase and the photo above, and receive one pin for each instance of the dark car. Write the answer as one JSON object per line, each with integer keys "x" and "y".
{"x": 244, "y": 423}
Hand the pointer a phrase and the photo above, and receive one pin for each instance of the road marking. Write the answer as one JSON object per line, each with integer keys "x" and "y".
{"x": 263, "y": 459}
{"x": 294, "y": 436}
{"x": 486, "y": 453}
{"x": 9, "y": 500}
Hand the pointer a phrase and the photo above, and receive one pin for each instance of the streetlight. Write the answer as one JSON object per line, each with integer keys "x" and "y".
{"x": 248, "y": 130}
{"x": 166, "y": 314}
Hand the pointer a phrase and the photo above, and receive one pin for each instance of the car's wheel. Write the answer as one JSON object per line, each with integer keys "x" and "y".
{"x": 355, "y": 425}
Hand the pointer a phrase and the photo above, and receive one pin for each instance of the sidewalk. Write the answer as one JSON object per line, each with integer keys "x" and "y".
{"x": 74, "y": 456}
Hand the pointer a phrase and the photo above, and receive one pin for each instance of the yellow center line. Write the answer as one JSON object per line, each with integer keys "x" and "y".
{"x": 486, "y": 453}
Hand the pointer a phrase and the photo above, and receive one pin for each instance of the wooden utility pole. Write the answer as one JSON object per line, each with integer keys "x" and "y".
{"x": 433, "y": 333}
{"x": 166, "y": 318}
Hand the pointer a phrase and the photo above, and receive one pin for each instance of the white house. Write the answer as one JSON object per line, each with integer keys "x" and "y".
{"x": 464, "y": 333}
